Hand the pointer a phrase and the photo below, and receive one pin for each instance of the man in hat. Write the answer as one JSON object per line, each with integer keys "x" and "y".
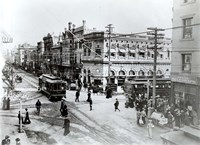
{"x": 27, "y": 120}
{"x": 116, "y": 104}
{"x": 17, "y": 141}
{"x": 6, "y": 141}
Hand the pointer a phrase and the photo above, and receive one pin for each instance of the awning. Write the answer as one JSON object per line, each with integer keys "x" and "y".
{"x": 142, "y": 50}
{"x": 122, "y": 50}
{"x": 132, "y": 50}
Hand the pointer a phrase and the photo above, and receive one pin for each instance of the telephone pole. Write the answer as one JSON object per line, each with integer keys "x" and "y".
{"x": 110, "y": 29}
{"x": 156, "y": 36}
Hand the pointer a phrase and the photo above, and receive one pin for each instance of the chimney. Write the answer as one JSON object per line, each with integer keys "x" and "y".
{"x": 84, "y": 23}
{"x": 69, "y": 26}
{"x": 73, "y": 27}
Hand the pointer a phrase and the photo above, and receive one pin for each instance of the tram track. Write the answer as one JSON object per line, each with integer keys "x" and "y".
{"x": 103, "y": 134}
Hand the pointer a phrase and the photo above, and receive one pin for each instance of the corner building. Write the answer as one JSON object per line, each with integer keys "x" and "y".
{"x": 185, "y": 74}
{"x": 131, "y": 57}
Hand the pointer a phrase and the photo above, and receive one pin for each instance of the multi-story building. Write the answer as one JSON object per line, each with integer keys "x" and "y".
{"x": 72, "y": 50}
{"x": 185, "y": 74}
{"x": 39, "y": 68}
{"x": 23, "y": 56}
{"x": 131, "y": 57}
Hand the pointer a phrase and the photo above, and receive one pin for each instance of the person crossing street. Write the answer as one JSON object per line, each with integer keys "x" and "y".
{"x": 38, "y": 106}
{"x": 116, "y": 105}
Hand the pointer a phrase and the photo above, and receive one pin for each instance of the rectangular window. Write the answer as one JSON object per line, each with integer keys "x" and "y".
{"x": 186, "y": 62}
{"x": 187, "y": 29}
{"x": 98, "y": 52}
{"x": 89, "y": 51}
{"x": 84, "y": 51}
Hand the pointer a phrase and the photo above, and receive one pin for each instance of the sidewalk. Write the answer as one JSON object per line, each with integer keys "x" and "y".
{"x": 9, "y": 126}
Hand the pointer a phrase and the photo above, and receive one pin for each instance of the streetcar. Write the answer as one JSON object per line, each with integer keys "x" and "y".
{"x": 52, "y": 87}
{"x": 140, "y": 86}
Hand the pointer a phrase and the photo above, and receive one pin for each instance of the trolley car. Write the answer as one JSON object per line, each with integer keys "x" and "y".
{"x": 163, "y": 87}
{"x": 53, "y": 87}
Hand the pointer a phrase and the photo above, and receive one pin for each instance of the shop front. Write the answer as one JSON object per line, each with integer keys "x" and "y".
{"x": 186, "y": 95}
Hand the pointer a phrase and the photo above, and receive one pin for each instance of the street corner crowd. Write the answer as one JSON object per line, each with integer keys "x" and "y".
{"x": 7, "y": 141}
{"x": 161, "y": 113}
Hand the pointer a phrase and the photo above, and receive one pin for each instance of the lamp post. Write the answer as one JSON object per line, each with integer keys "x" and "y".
{"x": 20, "y": 119}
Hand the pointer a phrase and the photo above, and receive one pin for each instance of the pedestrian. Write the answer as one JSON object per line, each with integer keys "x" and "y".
{"x": 38, "y": 106}
{"x": 27, "y": 120}
{"x": 6, "y": 140}
{"x": 85, "y": 85}
{"x": 66, "y": 126}
{"x": 90, "y": 102}
{"x": 4, "y": 103}
{"x": 77, "y": 96}
{"x": 62, "y": 107}
{"x": 65, "y": 111}
{"x": 143, "y": 115}
{"x": 8, "y": 103}
{"x": 138, "y": 116}
{"x": 17, "y": 141}
{"x": 108, "y": 92}
{"x": 116, "y": 104}
{"x": 170, "y": 120}
{"x": 20, "y": 117}
{"x": 149, "y": 127}
{"x": 89, "y": 96}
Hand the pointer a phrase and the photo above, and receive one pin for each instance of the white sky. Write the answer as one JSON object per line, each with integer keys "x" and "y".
{"x": 30, "y": 20}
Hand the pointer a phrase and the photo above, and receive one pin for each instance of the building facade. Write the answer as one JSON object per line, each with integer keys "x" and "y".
{"x": 185, "y": 74}
{"x": 131, "y": 57}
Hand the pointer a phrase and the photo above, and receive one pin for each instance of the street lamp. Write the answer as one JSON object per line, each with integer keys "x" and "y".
{"x": 20, "y": 117}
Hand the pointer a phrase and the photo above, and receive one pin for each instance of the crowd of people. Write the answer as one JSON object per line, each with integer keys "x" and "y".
{"x": 162, "y": 113}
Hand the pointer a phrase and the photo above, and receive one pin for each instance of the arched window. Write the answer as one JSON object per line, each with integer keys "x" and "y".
{"x": 112, "y": 73}
{"x": 141, "y": 73}
{"x": 159, "y": 72}
{"x": 121, "y": 73}
{"x": 131, "y": 73}
{"x": 150, "y": 73}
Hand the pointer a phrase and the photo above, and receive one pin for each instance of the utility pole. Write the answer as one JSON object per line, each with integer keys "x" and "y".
{"x": 154, "y": 32}
{"x": 110, "y": 29}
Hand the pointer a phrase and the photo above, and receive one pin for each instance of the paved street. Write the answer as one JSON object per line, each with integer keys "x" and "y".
{"x": 100, "y": 126}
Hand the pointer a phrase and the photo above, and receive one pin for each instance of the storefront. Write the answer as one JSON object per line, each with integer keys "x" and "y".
{"x": 186, "y": 93}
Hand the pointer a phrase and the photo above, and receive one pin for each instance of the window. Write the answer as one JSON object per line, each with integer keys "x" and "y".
{"x": 98, "y": 52}
{"x": 89, "y": 51}
{"x": 131, "y": 54}
{"x": 186, "y": 62}
{"x": 84, "y": 51}
{"x": 106, "y": 44}
{"x": 187, "y": 29}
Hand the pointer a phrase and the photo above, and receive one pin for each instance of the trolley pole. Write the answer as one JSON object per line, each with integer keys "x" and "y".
{"x": 110, "y": 28}
{"x": 154, "y": 32}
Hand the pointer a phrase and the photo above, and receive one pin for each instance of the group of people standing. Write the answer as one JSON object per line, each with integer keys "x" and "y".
{"x": 22, "y": 120}
{"x": 7, "y": 141}
{"x": 6, "y": 103}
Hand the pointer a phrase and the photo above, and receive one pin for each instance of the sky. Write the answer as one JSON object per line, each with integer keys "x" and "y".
{"x": 28, "y": 21}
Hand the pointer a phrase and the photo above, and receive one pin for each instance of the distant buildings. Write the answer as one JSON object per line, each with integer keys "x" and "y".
{"x": 79, "y": 52}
